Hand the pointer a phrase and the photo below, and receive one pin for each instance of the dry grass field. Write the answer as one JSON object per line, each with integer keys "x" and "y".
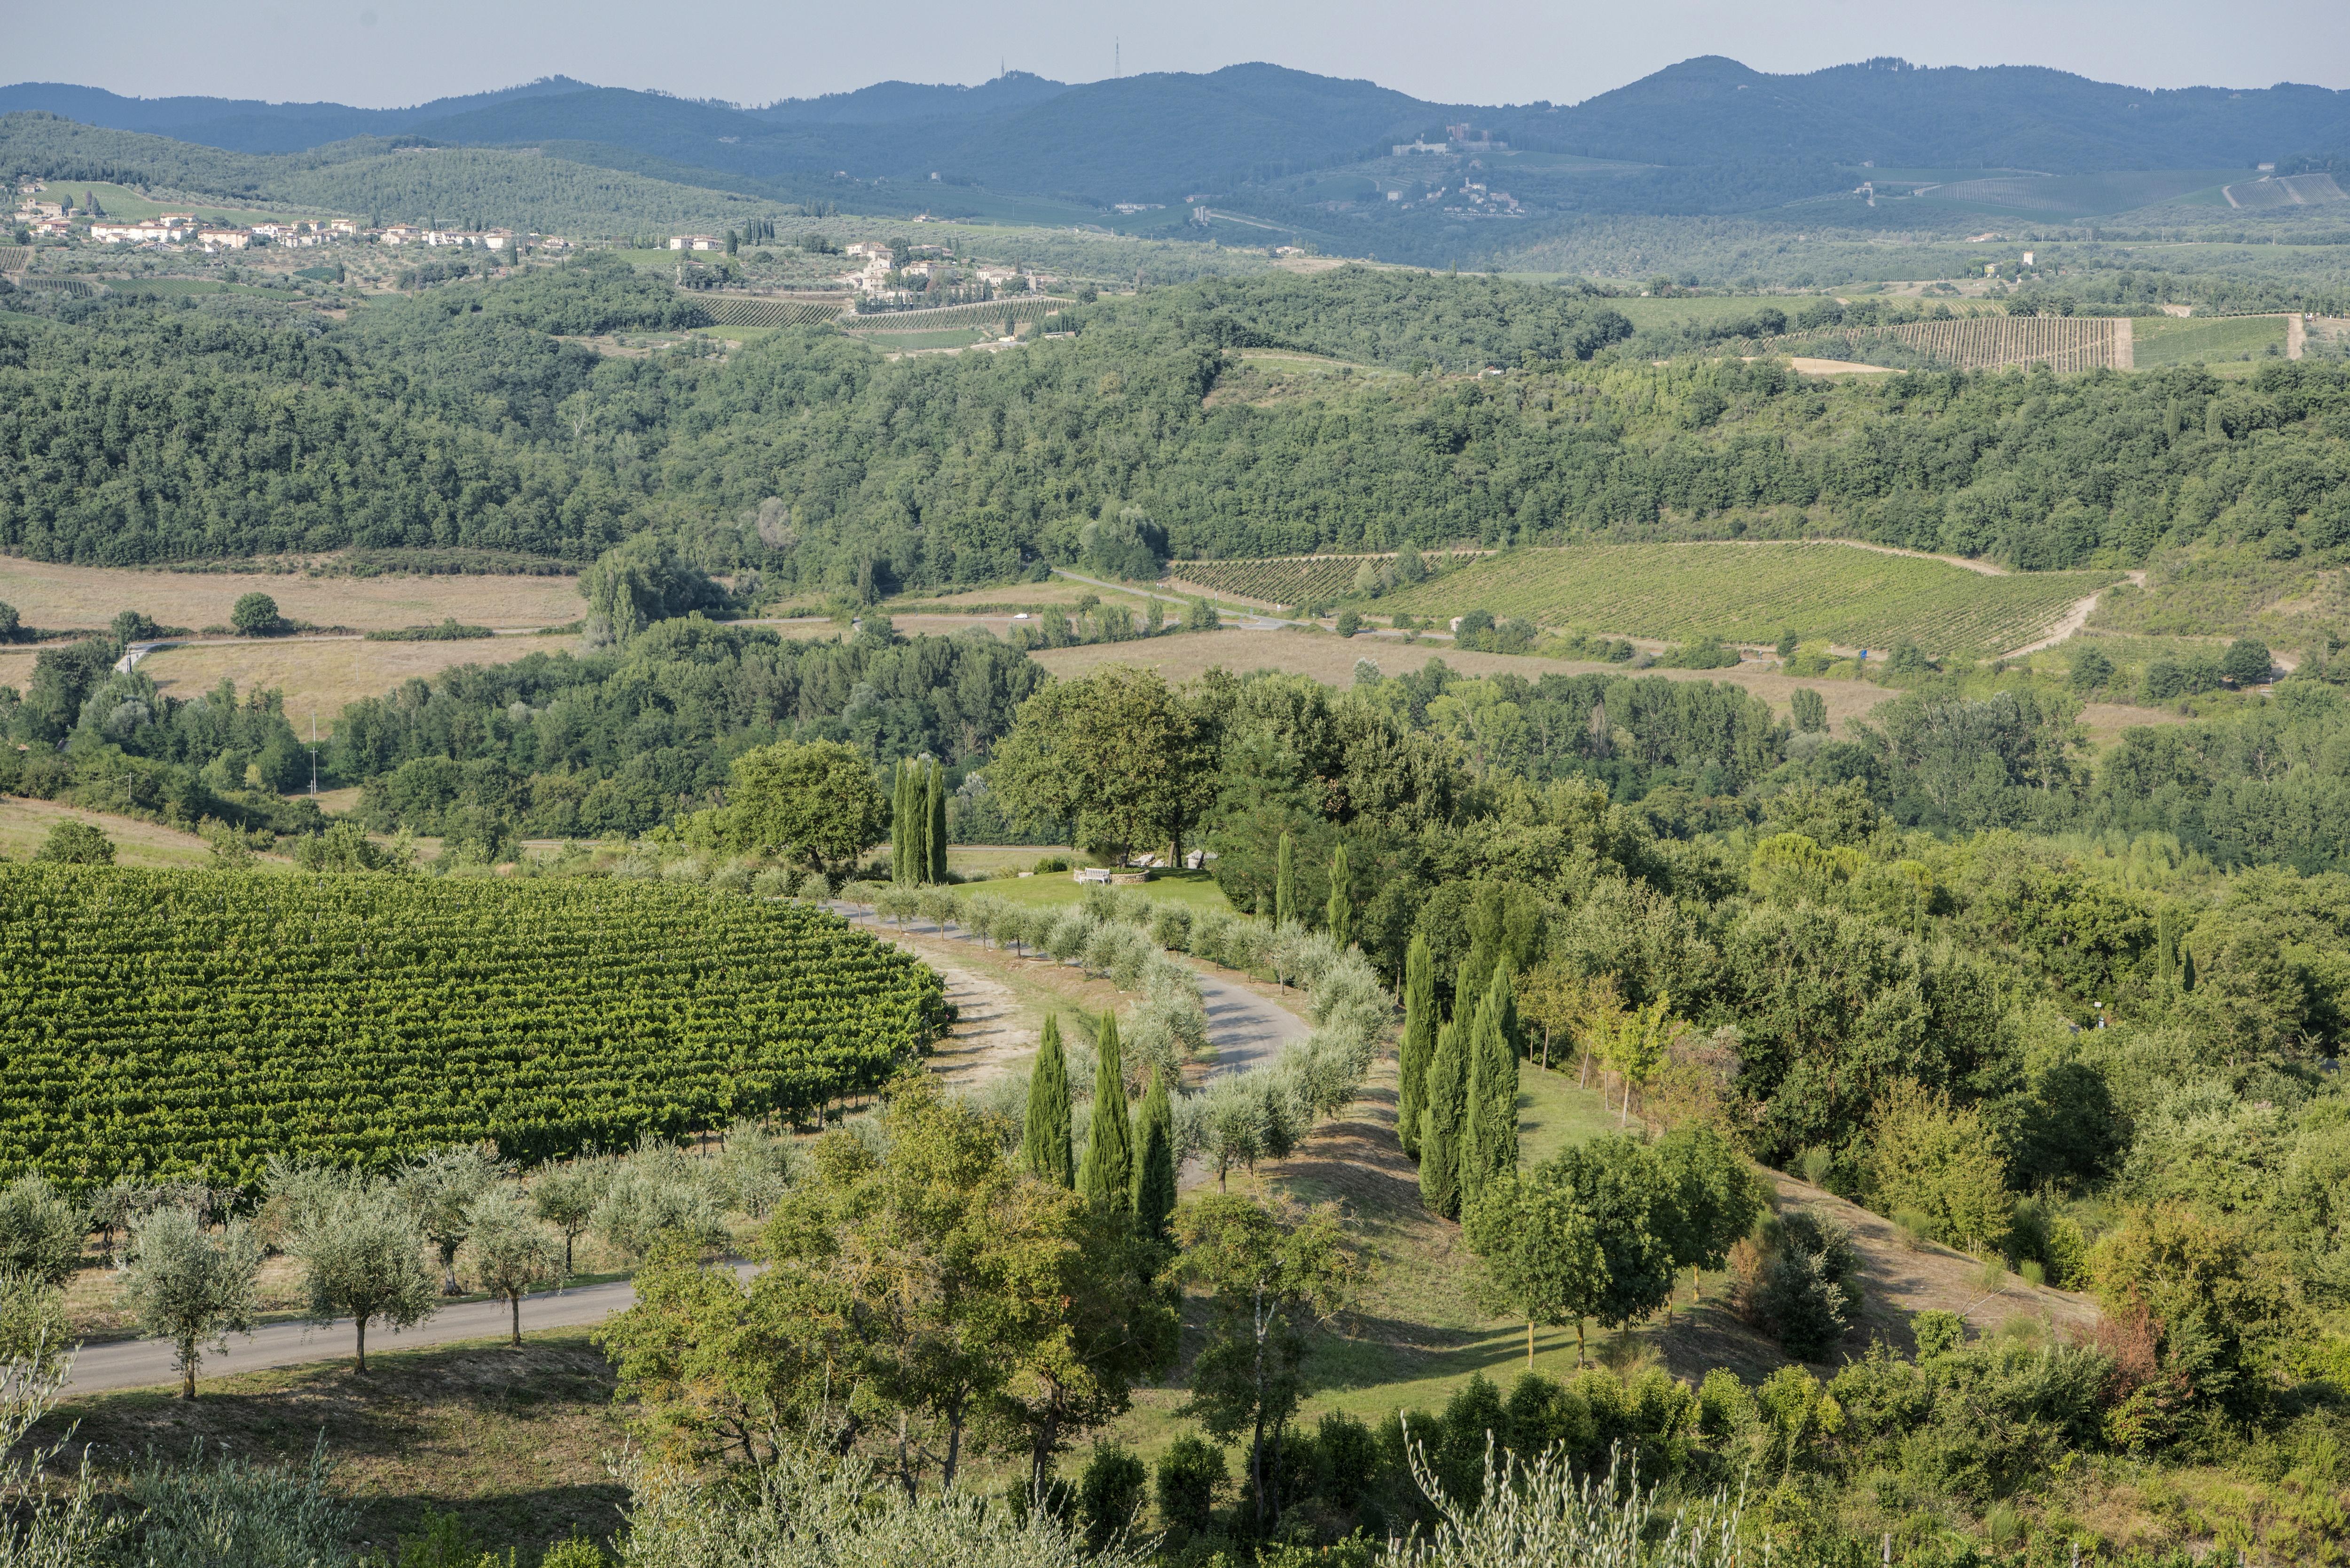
{"x": 24, "y": 823}
{"x": 48, "y": 594}
{"x": 1331, "y": 660}
{"x": 322, "y": 674}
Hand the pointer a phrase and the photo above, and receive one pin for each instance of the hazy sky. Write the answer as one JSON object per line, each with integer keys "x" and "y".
{"x": 382, "y": 53}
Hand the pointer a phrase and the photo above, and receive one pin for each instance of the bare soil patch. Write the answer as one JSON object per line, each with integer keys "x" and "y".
{"x": 48, "y": 594}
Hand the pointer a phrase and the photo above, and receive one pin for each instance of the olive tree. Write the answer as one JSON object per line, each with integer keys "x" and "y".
{"x": 362, "y": 1257}
{"x": 509, "y": 1253}
{"x": 190, "y": 1287}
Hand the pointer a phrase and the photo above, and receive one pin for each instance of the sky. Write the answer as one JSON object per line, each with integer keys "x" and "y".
{"x": 389, "y": 52}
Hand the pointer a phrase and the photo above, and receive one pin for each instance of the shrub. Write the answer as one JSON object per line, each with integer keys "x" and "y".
{"x": 1109, "y": 1494}
{"x": 255, "y": 615}
{"x": 1809, "y": 1287}
{"x": 1942, "y": 1162}
{"x": 72, "y": 843}
{"x": 1189, "y": 1476}
{"x": 1051, "y": 863}
{"x": 816, "y": 886}
{"x": 1170, "y": 927}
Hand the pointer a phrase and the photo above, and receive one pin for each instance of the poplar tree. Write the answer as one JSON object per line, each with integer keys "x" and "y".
{"x": 1284, "y": 883}
{"x": 1418, "y": 1041}
{"x": 1106, "y": 1178}
{"x": 1154, "y": 1171}
{"x": 1044, "y": 1142}
{"x": 1489, "y": 1123}
{"x": 1341, "y": 908}
{"x": 937, "y": 822}
{"x": 1439, "y": 1134}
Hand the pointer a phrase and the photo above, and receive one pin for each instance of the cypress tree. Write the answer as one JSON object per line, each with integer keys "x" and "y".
{"x": 1154, "y": 1172}
{"x": 1342, "y": 907}
{"x": 938, "y": 823}
{"x": 1284, "y": 883}
{"x": 1439, "y": 1134}
{"x": 1044, "y": 1142}
{"x": 1489, "y": 1123}
{"x": 918, "y": 822}
{"x": 2186, "y": 967}
{"x": 1418, "y": 1041}
{"x": 902, "y": 825}
{"x": 1106, "y": 1176}
{"x": 2165, "y": 941}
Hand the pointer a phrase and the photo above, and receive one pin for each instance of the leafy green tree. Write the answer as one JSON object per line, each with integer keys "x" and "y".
{"x": 1809, "y": 710}
{"x": 813, "y": 802}
{"x": 71, "y": 841}
{"x": 2246, "y": 662}
{"x": 1620, "y": 1183}
{"x": 1928, "y": 1156}
{"x": 1418, "y": 1042}
{"x": 1201, "y": 616}
{"x": 255, "y": 615}
{"x": 1154, "y": 1170}
{"x": 1716, "y": 1197}
{"x": 640, "y": 581}
{"x": 1272, "y": 1278}
{"x": 1044, "y": 1148}
{"x": 1539, "y": 1250}
{"x": 362, "y": 1257}
{"x": 509, "y": 1251}
{"x": 190, "y": 1287}
{"x": 1119, "y": 754}
{"x": 1105, "y": 1178}
{"x": 1440, "y": 1123}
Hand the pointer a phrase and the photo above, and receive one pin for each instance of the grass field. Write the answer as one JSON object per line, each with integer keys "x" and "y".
{"x": 1332, "y": 659}
{"x": 50, "y": 595}
{"x": 1196, "y": 890}
{"x": 1750, "y": 593}
{"x": 321, "y": 674}
{"x": 24, "y": 823}
{"x": 914, "y": 342}
{"x": 121, "y": 204}
{"x": 2181, "y": 340}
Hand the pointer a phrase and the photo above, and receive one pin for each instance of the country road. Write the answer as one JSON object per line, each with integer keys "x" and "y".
{"x": 1247, "y": 1030}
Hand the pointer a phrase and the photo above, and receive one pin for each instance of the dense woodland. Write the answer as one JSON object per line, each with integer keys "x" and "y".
{"x": 466, "y": 417}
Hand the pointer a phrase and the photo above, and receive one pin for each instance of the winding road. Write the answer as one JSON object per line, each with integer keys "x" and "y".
{"x": 1247, "y": 1030}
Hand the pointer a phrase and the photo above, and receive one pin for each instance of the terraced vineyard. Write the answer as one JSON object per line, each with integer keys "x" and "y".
{"x": 1990, "y": 342}
{"x": 194, "y": 1023}
{"x": 1287, "y": 582}
{"x": 769, "y": 310}
{"x": 1750, "y": 593}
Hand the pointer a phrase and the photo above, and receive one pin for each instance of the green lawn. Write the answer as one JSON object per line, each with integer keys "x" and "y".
{"x": 1197, "y": 890}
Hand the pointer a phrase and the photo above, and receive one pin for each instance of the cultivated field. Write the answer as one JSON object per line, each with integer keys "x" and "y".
{"x": 47, "y": 595}
{"x": 319, "y": 674}
{"x": 1993, "y": 342}
{"x": 767, "y": 310}
{"x": 1282, "y": 581}
{"x": 1751, "y": 592}
{"x": 2182, "y": 340}
{"x": 1331, "y": 660}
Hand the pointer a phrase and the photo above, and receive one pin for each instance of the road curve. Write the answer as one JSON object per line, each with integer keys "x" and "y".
{"x": 1247, "y": 1030}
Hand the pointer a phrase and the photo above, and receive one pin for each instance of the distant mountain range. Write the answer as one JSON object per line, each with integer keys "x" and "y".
{"x": 1706, "y": 135}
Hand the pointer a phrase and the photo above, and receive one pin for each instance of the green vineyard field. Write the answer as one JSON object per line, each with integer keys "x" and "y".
{"x": 1030, "y": 307}
{"x": 1285, "y": 582}
{"x": 767, "y": 310}
{"x": 176, "y": 1024}
{"x": 1986, "y": 342}
{"x": 1750, "y": 593}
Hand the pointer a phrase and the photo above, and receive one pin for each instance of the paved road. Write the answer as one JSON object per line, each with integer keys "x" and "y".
{"x": 143, "y": 1362}
{"x": 1246, "y": 1029}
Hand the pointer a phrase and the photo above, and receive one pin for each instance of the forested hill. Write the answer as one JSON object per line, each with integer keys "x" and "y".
{"x": 150, "y": 433}
{"x": 1161, "y": 136}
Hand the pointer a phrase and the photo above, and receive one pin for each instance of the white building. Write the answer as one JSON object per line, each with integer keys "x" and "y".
{"x": 224, "y": 239}
{"x": 696, "y": 242}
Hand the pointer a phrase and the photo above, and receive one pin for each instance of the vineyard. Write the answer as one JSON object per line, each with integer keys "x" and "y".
{"x": 988, "y": 312}
{"x": 1751, "y": 592}
{"x": 163, "y": 1023}
{"x": 1990, "y": 342}
{"x": 768, "y": 310}
{"x": 1289, "y": 582}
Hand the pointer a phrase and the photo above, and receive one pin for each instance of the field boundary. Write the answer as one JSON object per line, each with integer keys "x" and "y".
{"x": 1990, "y": 342}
